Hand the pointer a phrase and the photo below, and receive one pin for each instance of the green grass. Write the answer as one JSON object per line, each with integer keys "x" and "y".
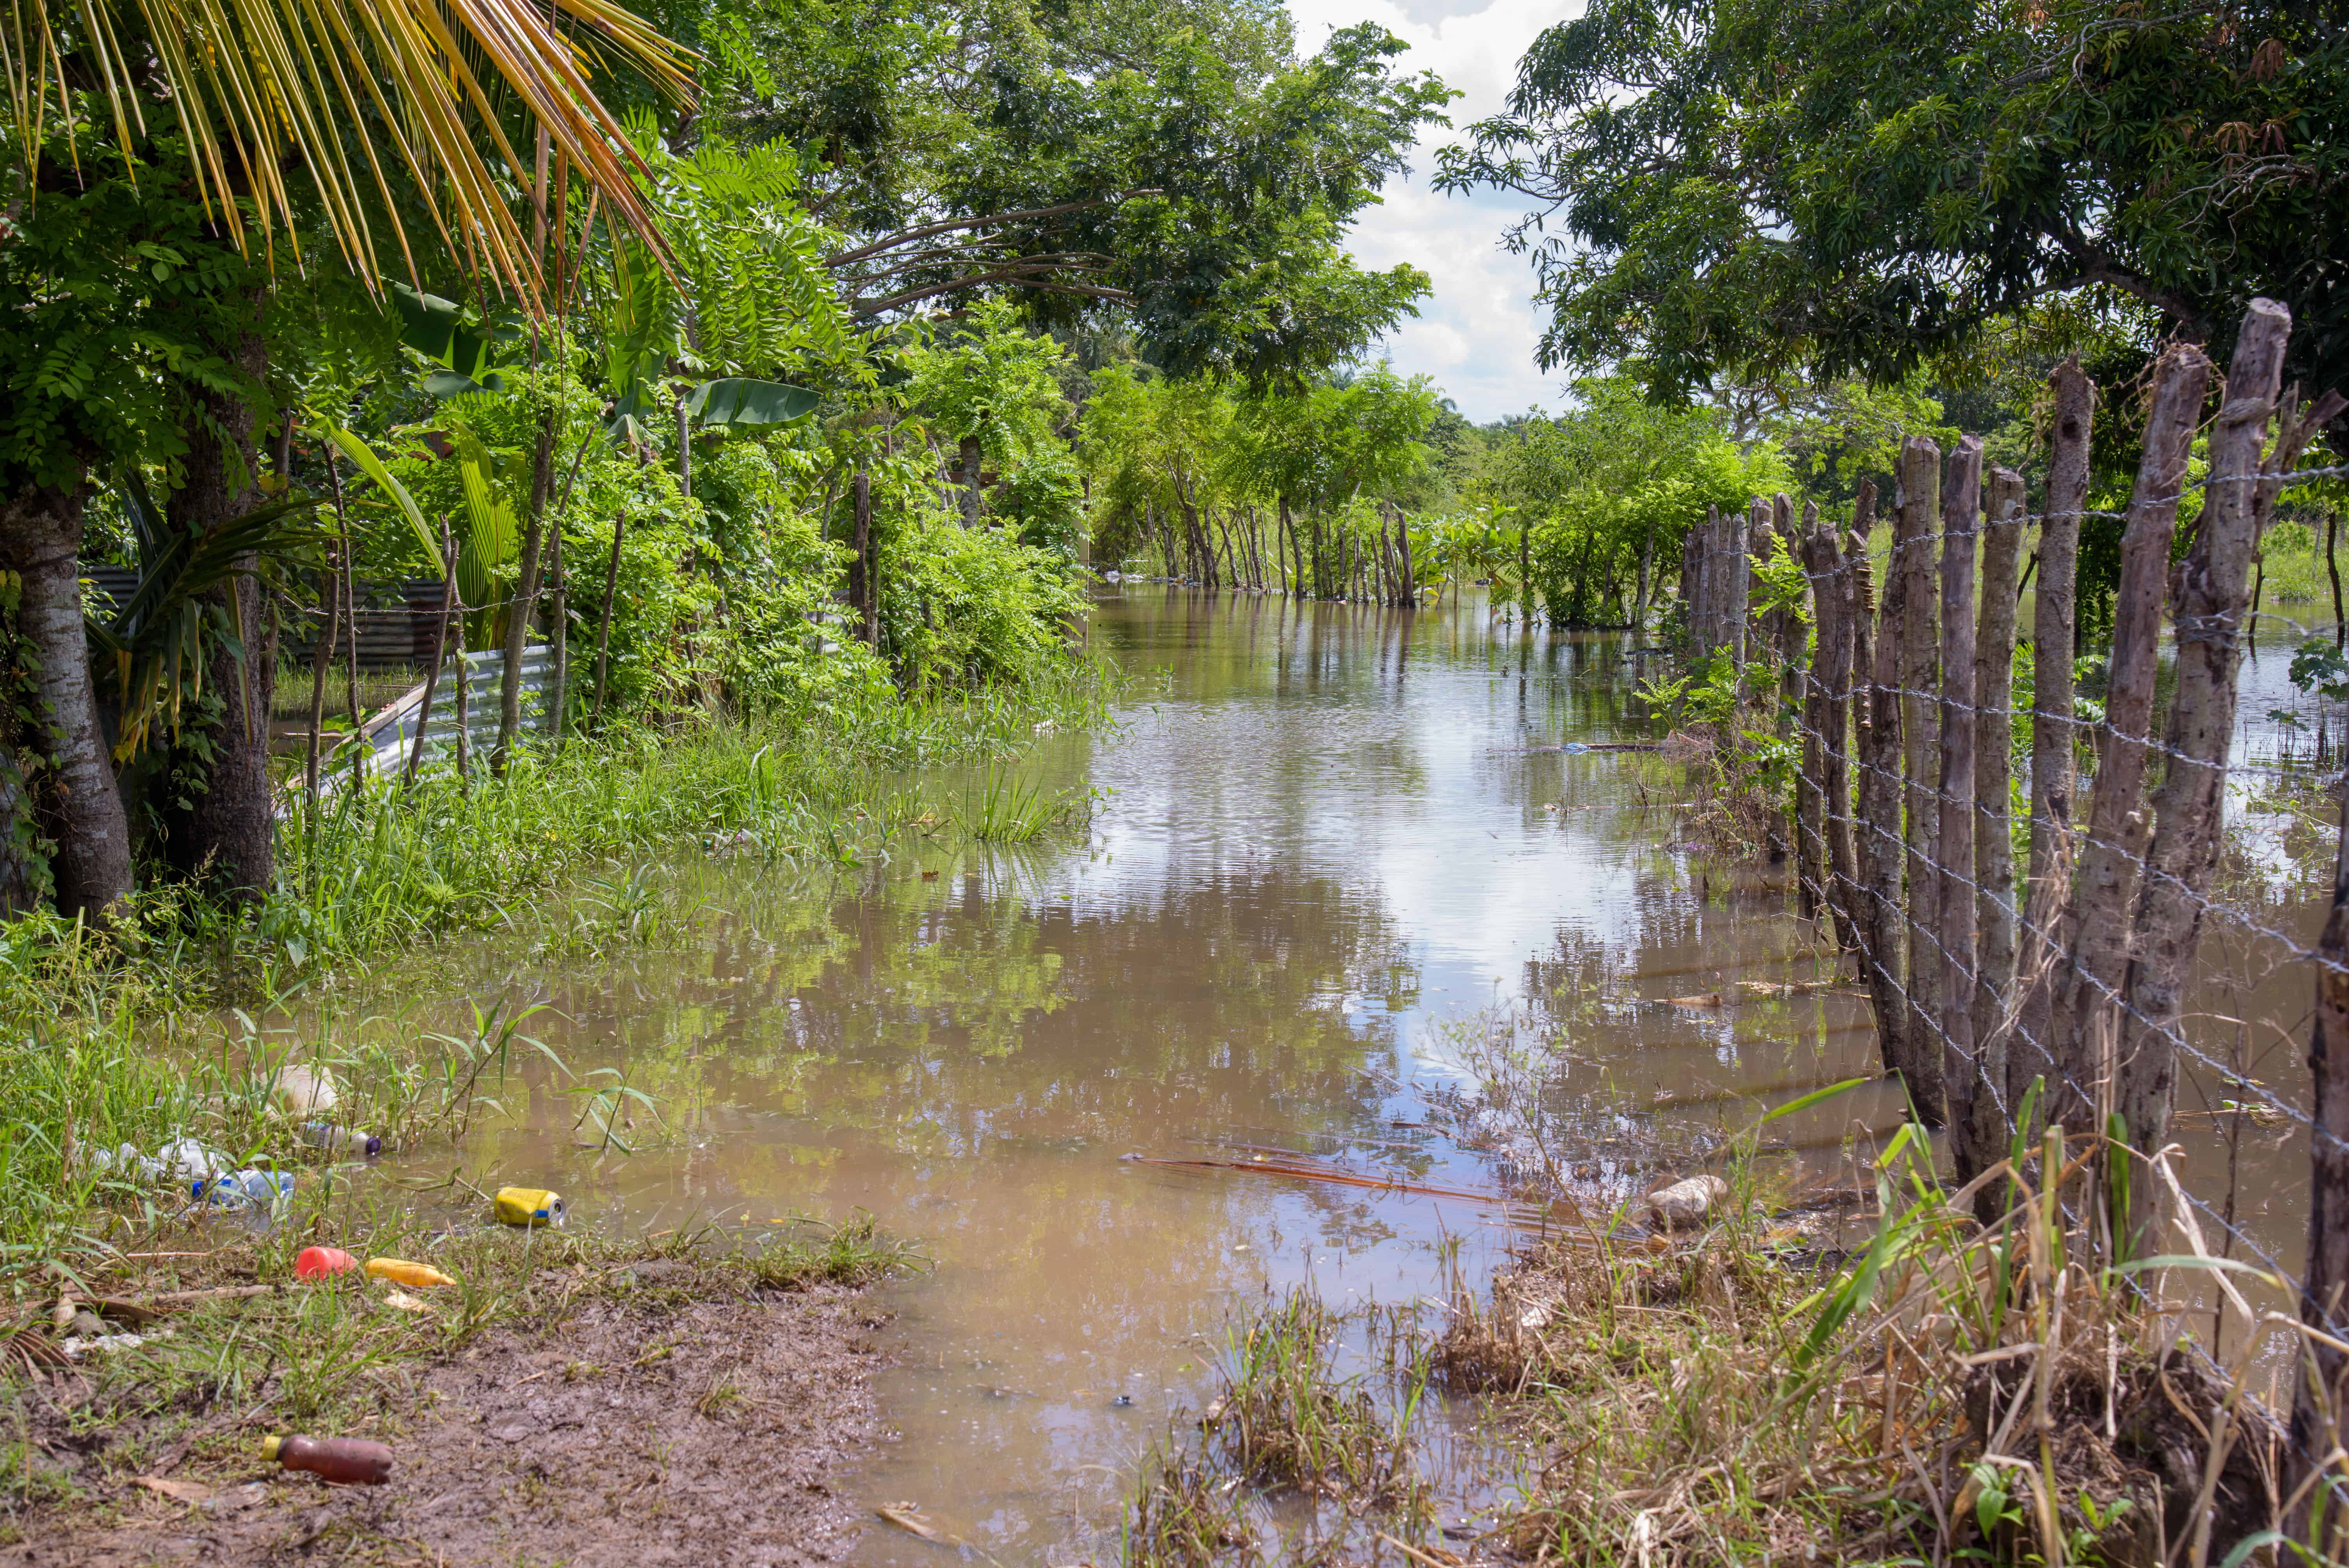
{"x": 115, "y": 1037}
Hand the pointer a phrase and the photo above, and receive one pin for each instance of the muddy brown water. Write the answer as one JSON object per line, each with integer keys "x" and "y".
{"x": 1329, "y": 869}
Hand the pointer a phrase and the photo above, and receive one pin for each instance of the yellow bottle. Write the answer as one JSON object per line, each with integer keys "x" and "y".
{"x": 400, "y": 1271}
{"x": 528, "y": 1206}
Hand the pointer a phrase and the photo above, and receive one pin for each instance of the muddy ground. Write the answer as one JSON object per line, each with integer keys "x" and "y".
{"x": 660, "y": 1421}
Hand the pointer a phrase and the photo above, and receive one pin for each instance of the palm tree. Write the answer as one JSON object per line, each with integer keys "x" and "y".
{"x": 280, "y": 116}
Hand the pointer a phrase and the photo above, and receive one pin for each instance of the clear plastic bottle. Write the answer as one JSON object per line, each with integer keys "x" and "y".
{"x": 336, "y": 1139}
{"x": 346, "y": 1461}
{"x": 250, "y": 1185}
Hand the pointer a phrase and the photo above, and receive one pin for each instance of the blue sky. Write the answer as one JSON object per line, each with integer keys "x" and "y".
{"x": 1475, "y": 335}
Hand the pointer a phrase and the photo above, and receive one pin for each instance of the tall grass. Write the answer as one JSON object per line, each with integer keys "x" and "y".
{"x": 116, "y": 1038}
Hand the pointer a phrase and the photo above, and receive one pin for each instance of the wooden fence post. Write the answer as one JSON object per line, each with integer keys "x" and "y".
{"x": 1807, "y": 693}
{"x": 1827, "y": 725}
{"x": 2081, "y": 1094}
{"x": 1971, "y": 1105}
{"x": 1693, "y": 603}
{"x": 1876, "y": 654}
{"x": 2213, "y": 591}
{"x": 1994, "y": 896}
{"x": 1920, "y": 505}
{"x": 2053, "y": 734}
{"x": 2324, "y": 1381}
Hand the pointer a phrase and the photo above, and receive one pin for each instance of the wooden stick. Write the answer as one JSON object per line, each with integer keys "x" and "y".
{"x": 448, "y": 610}
{"x": 2053, "y": 734}
{"x": 2098, "y": 920}
{"x": 2213, "y": 591}
{"x": 1838, "y": 597}
{"x": 611, "y": 596}
{"x": 1814, "y": 548}
{"x": 1876, "y": 654}
{"x": 1993, "y": 783}
{"x": 1921, "y": 502}
{"x": 1970, "y": 1102}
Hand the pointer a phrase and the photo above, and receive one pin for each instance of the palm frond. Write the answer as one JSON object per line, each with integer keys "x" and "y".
{"x": 357, "y": 93}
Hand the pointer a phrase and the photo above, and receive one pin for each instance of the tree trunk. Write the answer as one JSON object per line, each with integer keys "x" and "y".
{"x": 226, "y": 835}
{"x": 40, "y": 533}
{"x": 558, "y": 627}
{"x": 525, "y": 608}
{"x": 860, "y": 541}
{"x": 449, "y": 609}
{"x": 2332, "y": 568}
{"x": 1971, "y": 1104}
{"x": 1993, "y": 791}
{"x": 2053, "y": 733}
{"x": 322, "y": 660}
{"x": 2099, "y": 919}
{"x": 2209, "y": 594}
{"x": 1920, "y": 505}
{"x": 973, "y": 461}
{"x": 603, "y": 623}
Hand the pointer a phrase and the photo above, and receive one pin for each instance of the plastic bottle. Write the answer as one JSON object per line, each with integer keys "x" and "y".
{"x": 346, "y": 1461}
{"x": 335, "y": 1140}
{"x": 400, "y": 1271}
{"x": 528, "y": 1206}
{"x": 250, "y": 1185}
{"x": 318, "y": 1262}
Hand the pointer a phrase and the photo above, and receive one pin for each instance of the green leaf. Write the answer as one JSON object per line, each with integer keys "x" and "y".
{"x": 747, "y": 404}
{"x": 363, "y": 456}
{"x": 2195, "y": 1261}
{"x": 1815, "y": 1097}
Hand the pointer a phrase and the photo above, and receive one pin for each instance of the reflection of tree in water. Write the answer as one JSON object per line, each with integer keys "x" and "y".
{"x": 949, "y": 1015}
{"x": 1597, "y": 1060}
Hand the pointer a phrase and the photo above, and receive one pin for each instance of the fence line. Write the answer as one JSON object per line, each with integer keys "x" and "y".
{"x": 2071, "y": 971}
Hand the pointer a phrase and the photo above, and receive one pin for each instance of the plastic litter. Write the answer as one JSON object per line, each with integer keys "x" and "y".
{"x": 346, "y": 1461}
{"x": 1687, "y": 1202}
{"x": 75, "y": 1346}
{"x": 304, "y": 1091}
{"x": 400, "y": 1271}
{"x": 182, "y": 1160}
{"x": 241, "y": 1188}
{"x": 335, "y": 1140}
{"x": 528, "y": 1206}
{"x": 323, "y": 1262}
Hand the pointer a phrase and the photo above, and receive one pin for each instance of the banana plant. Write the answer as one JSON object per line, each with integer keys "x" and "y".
{"x": 157, "y": 644}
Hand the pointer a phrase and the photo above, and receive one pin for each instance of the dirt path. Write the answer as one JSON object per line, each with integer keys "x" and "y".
{"x": 654, "y": 1425}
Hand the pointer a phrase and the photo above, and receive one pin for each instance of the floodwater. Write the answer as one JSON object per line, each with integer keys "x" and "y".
{"x": 1329, "y": 869}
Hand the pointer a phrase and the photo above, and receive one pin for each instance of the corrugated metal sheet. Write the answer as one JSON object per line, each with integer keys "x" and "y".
{"x": 391, "y": 732}
{"x": 395, "y": 619}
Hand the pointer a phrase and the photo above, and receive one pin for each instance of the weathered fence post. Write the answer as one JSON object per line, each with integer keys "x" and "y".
{"x": 2078, "y": 1035}
{"x": 1971, "y": 1104}
{"x": 2052, "y": 732}
{"x": 1920, "y": 505}
{"x": 1827, "y": 725}
{"x": 2324, "y": 1382}
{"x": 1807, "y": 693}
{"x": 2212, "y": 590}
{"x": 1694, "y": 605}
{"x": 1877, "y": 655}
{"x": 1994, "y": 786}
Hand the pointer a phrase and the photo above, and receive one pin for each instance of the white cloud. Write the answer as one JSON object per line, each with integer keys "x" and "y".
{"x": 1475, "y": 335}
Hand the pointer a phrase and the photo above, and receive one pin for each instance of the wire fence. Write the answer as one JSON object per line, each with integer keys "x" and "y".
{"x": 2027, "y": 889}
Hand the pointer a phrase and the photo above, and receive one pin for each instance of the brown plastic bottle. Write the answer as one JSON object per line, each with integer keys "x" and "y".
{"x": 343, "y": 1460}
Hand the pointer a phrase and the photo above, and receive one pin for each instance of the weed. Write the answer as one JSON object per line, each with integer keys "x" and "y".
{"x": 855, "y": 1253}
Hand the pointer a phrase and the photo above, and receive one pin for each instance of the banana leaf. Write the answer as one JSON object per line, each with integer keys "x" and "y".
{"x": 362, "y": 456}
{"x": 440, "y": 329}
{"x": 743, "y": 404}
{"x": 493, "y": 538}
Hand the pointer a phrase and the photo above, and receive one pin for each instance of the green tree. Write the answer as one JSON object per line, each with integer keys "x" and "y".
{"x": 1864, "y": 188}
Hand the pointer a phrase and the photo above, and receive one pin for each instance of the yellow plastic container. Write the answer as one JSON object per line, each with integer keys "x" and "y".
{"x": 400, "y": 1271}
{"x": 528, "y": 1206}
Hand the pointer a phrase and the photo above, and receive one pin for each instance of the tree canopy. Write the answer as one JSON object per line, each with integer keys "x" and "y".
{"x": 1864, "y": 188}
